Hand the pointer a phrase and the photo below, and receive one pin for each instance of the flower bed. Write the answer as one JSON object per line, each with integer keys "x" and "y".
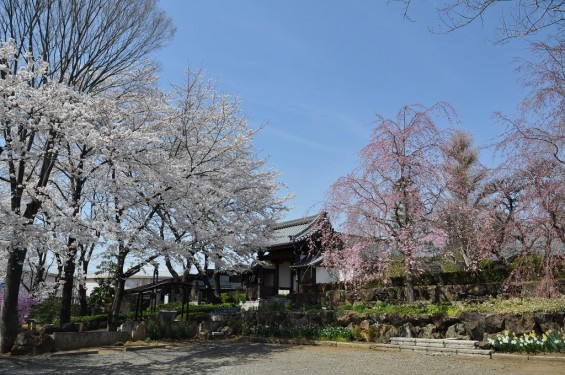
{"x": 550, "y": 341}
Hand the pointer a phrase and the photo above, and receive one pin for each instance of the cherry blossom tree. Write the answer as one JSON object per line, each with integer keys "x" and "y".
{"x": 387, "y": 204}
{"x": 232, "y": 202}
{"x": 536, "y": 229}
{"x": 90, "y": 45}
{"x": 188, "y": 187}
{"x": 35, "y": 122}
{"x": 540, "y": 127}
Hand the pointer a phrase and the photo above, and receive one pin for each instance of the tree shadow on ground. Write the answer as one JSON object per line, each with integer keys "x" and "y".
{"x": 193, "y": 358}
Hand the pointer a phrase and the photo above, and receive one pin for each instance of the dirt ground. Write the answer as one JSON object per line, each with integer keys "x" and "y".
{"x": 227, "y": 357}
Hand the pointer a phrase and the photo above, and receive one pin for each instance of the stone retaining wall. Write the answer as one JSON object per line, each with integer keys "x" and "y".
{"x": 381, "y": 327}
{"x": 431, "y": 293}
{"x": 88, "y": 339}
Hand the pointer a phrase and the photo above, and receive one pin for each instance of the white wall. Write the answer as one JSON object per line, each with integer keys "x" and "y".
{"x": 324, "y": 277}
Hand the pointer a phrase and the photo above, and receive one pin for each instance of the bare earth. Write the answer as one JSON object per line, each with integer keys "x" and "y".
{"x": 225, "y": 357}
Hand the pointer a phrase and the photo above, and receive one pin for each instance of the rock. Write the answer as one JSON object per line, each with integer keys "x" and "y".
{"x": 28, "y": 342}
{"x": 365, "y": 324}
{"x": 443, "y": 322}
{"x": 336, "y": 297}
{"x": 25, "y": 341}
{"x": 485, "y": 345}
{"x": 368, "y": 335}
{"x": 477, "y": 290}
{"x": 407, "y": 330}
{"x": 367, "y": 295}
{"x": 227, "y": 331}
{"x": 139, "y": 332}
{"x": 69, "y": 327}
{"x": 384, "y": 332}
{"x": 494, "y": 323}
{"x": 428, "y": 332}
{"x": 520, "y": 324}
{"x": 455, "y": 331}
{"x": 45, "y": 344}
{"x": 474, "y": 324}
{"x": 368, "y": 330}
{"x": 327, "y": 317}
{"x": 344, "y": 320}
{"x": 48, "y": 329}
{"x": 549, "y": 321}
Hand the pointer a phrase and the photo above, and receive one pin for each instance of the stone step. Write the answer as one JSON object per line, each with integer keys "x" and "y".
{"x": 435, "y": 343}
{"x": 433, "y": 350}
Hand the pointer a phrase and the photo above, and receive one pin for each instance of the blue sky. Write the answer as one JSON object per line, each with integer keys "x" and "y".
{"x": 316, "y": 72}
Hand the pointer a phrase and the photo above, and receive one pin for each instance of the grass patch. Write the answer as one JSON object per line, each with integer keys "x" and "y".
{"x": 516, "y": 305}
{"x": 490, "y": 306}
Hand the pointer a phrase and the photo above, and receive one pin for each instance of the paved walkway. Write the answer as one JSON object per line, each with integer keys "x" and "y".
{"x": 226, "y": 357}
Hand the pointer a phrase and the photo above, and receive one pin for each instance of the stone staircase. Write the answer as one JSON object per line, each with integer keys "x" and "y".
{"x": 436, "y": 346}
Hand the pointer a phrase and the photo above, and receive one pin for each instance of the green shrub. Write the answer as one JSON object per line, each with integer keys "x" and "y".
{"x": 198, "y": 316}
{"x": 236, "y": 325}
{"x": 359, "y": 307}
{"x": 336, "y": 334}
{"x": 530, "y": 266}
{"x": 356, "y": 333}
{"x": 234, "y": 297}
{"x": 309, "y": 332}
{"x": 89, "y": 318}
{"x": 486, "y": 264}
{"x": 173, "y": 330}
{"x": 47, "y": 312}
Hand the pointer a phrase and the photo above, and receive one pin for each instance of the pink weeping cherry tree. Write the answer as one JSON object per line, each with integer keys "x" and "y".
{"x": 385, "y": 207}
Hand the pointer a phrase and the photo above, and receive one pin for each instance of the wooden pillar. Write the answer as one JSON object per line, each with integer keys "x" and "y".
{"x": 276, "y": 280}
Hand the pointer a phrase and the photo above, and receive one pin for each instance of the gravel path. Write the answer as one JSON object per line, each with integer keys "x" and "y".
{"x": 224, "y": 357}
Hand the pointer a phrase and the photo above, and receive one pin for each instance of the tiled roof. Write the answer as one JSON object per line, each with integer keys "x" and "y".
{"x": 288, "y": 232}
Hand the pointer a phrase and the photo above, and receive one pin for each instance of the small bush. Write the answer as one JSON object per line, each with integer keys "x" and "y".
{"x": 359, "y": 307}
{"x": 89, "y": 318}
{"x": 198, "y": 316}
{"x": 233, "y": 297}
{"x": 336, "y": 334}
{"x": 47, "y": 312}
{"x": 309, "y": 332}
{"x": 173, "y": 331}
{"x": 486, "y": 264}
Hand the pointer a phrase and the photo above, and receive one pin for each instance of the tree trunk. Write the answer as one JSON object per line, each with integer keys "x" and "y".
{"x": 409, "y": 287}
{"x": 203, "y": 274}
{"x": 171, "y": 269}
{"x": 83, "y": 298}
{"x": 69, "y": 283}
{"x": 217, "y": 286}
{"x": 114, "y": 313}
{"x": 9, "y": 321}
{"x": 119, "y": 286}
